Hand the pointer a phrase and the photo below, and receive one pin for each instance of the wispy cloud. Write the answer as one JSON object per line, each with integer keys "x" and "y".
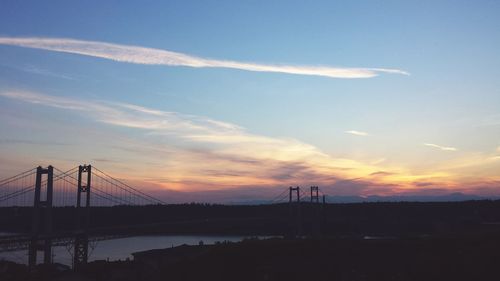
{"x": 497, "y": 154}
{"x": 127, "y": 115}
{"x": 105, "y": 160}
{"x": 151, "y": 56}
{"x": 357, "y": 133}
{"x": 381, "y": 173}
{"x": 192, "y": 153}
{"x": 39, "y": 71}
{"x": 30, "y": 142}
{"x": 445, "y": 148}
{"x": 203, "y": 152}
{"x": 45, "y": 72}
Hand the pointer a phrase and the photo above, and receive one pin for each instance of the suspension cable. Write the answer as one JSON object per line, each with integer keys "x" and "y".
{"x": 146, "y": 195}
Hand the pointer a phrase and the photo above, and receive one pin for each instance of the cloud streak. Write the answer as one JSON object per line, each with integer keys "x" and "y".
{"x": 175, "y": 151}
{"x": 151, "y": 56}
{"x": 203, "y": 152}
{"x": 444, "y": 148}
{"x": 357, "y": 133}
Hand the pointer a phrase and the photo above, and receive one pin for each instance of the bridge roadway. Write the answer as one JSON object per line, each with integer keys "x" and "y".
{"x": 84, "y": 186}
{"x": 19, "y": 242}
{"x": 22, "y": 242}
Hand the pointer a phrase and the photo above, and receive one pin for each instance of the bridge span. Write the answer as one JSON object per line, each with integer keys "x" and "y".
{"x": 79, "y": 187}
{"x": 42, "y": 190}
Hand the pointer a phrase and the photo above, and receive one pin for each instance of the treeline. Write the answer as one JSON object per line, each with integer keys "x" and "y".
{"x": 371, "y": 219}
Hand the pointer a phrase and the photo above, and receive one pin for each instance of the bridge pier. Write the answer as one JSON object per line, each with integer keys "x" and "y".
{"x": 42, "y": 218}
{"x": 81, "y": 245}
{"x": 81, "y": 250}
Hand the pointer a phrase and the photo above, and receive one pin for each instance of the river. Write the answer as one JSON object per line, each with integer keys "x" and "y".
{"x": 122, "y": 248}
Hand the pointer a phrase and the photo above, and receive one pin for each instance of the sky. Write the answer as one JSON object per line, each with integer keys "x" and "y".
{"x": 236, "y": 100}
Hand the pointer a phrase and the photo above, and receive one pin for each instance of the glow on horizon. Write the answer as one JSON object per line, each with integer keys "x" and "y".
{"x": 249, "y": 98}
{"x": 239, "y": 158}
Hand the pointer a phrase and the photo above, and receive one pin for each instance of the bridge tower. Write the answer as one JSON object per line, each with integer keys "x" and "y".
{"x": 42, "y": 217}
{"x": 314, "y": 194}
{"x": 297, "y": 230}
{"x": 81, "y": 246}
{"x": 315, "y": 220}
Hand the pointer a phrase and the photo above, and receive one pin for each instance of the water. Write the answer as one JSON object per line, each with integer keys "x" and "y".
{"x": 121, "y": 249}
{"x": 379, "y": 237}
{"x": 6, "y": 234}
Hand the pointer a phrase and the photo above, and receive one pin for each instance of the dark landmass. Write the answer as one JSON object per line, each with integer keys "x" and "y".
{"x": 450, "y": 197}
{"x": 364, "y": 241}
{"x": 456, "y": 258}
{"x": 399, "y": 219}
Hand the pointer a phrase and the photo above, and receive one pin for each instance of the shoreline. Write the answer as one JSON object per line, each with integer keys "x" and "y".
{"x": 460, "y": 257}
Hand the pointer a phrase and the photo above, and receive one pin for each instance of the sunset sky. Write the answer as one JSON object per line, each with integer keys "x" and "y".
{"x": 244, "y": 98}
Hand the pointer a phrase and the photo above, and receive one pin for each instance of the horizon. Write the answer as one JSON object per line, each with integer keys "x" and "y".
{"x": 235, "y": 102}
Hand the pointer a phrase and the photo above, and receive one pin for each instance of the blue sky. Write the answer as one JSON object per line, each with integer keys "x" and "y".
{"x": 450, "y": 99}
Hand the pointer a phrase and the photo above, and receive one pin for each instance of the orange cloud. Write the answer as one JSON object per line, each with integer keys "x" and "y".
{"x": 179, "y": 152}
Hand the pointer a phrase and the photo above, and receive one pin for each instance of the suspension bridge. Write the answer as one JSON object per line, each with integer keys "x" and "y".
{"x": 42, "y": 189}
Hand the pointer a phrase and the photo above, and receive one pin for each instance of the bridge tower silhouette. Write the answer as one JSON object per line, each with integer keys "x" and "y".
{"x": 81, "y": 244}
{"x": 295, "y": 216}
{"x": 42, "y": 217}
{"x": 314, "y": 194}
{"x": 316, "y": 218}
{"x": 80, "y": 189}
{"x": 43, "y": 189}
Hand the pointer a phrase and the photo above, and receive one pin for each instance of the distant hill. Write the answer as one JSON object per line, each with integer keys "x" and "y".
{"x": 452, "y": 197}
